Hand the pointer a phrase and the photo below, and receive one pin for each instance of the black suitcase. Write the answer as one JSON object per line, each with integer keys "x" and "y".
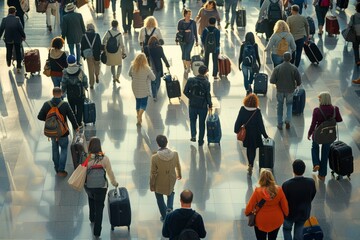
{"x": 260, "y": 27}
{"x": 341, "y": 159}
{"x": 313, "y": 52}
{"x": 311, "y": 25}
{"x": 267, "y": 154}
{"x": 172, "y": 87}
{"x": 299, "y": 101}
{"x": 260, "y": 83}
{"x": 241, "y": 17}
{"x": 78, "y": 149}
{"x": 119, "y": 208}
{"x": 213, "y": 129}
{"x": 89, "y": 111}
{"x": 100, "y": 8}
{"x": 342, "y": 4}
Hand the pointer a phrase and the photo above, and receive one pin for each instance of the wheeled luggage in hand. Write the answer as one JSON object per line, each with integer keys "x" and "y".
{"x": 78, "y": 148}
{"x": 332, "y": 25}
{"x": 299, "y": 101}
{"x": 312, "y": 52}
{"x": 213, "y": 128}
{"x": 173, "y": 89}
{"x": 89, "y": 111}
{"x": 32, "y": 61}
{"x": 260, "y": 83}
{"x": 311, "y": 23}
{"x": 138, "y": 22}
{"x": 341, "y": 160}
{"x": 261, "y": 27}
{"x": 267, "y": 154}
{"x": 342, "y": 4}
{"x": 119, "y": 208}
{"x": 241, "y": 17}
{"x": 196, "y": 62}
{"x": 224, "y": 65}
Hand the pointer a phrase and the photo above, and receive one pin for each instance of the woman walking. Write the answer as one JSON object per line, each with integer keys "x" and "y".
{"x": 355, "y": 23}
{"x": 321, "y": 9}
{"x": 57, "y": 58}
{"x": 205, "y": 13}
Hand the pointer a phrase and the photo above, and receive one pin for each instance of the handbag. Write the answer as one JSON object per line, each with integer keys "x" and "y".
{"x": 103, "y": 57}
{"x": 349, "y": 33}
{"x": 252, "y": 215}
{"x": 242, "y": 132}
{"x": 77, "y": 178}
{"x": 47, "y": 69}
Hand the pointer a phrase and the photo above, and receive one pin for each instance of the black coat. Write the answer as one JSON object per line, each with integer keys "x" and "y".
{"x": 14, "y": 31}
{"x": 254, "y": 129}
{"x": 299, "y": 192}
{"x": 205, "y": 82}
{"x": 97, "y": 44}
{"x": 156, "y": 53}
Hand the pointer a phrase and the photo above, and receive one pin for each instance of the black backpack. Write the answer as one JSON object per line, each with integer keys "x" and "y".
{"x": 75, "y": 87}
{"x": 147, "y": 37}
{"x": 274, "y": 11}
{"x": 249, "y": 55}
{"x": 198, "y": 94}
{"x": 210, "y": 41}
{"x": 188, "y": 233}
{"x": 112, "y": 45}
{"x": 326, "y": 131}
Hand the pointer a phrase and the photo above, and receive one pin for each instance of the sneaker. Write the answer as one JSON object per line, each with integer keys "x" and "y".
{"x": 287, "y": 125}
{"x": 117, "y": 80}
{"x": 316, "y": 168}
{"x": 193, "y": 139}
{"x": 201, "y": 143}
{"x": 216, "y": 78}
{"x": 250, "y": 169}
{"x": 227, "y": 25}
{"x": 62, "y": 174}
{"x": 279, "y": 127}
{"x": 357, "y": 81}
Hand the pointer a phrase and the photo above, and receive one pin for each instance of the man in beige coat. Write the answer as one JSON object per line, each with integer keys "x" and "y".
{"x": 163, "y": 175}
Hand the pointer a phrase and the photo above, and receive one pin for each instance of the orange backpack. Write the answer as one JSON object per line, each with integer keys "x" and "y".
{"x": 55, "y": 125}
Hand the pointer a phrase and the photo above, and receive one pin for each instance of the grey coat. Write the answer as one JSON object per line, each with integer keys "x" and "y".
{"x": 73, "y": 27}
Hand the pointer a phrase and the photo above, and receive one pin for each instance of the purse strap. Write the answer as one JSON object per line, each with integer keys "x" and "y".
{"x": 250, "y": 118}
{"x": 259, "y": 205}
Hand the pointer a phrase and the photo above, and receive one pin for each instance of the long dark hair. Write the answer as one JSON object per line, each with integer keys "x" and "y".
{"x": 249, "y": 38}
{"x": 95, "y": 146}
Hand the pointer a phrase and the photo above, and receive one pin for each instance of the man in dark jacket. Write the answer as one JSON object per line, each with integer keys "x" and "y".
{"x": 127, "y": 14}
{"x": 59, "y": 158}
{"x": 299, "y": 192}
{"x": 73, "y": 28}
{"x": 146, "y": 8}
{"x": 176, "y": 221}
{"x": 19, "y": 10}
{"x": 13, "y": 36}
{"x": 197, "y": 90}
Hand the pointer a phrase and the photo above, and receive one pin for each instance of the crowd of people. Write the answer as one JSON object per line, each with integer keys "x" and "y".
{"x": 282, "y": 205}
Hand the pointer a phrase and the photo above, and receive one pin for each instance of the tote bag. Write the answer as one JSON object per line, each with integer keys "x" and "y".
{"x": 77, "y": 178}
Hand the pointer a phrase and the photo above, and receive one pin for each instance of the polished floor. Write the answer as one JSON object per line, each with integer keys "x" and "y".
{"x": 35, "y": 204}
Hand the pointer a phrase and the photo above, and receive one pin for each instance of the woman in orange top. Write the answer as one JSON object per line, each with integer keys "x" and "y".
{"x": 271, "y": 216}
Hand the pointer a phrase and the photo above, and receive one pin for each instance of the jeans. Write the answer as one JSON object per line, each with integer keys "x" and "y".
{"x": 77, "y": 105}
{"x": 59, "y": 158}
{"x": 56, "y": 81}
{"x": 288, "y": 97}
{"x": 161, "y": 203}
{"x": 356, "y": 49}
{"x": 248, "y": 76}
{"x": 141, "y": 103}
{"x": 298, "y": 229}
{"x": 251, "y": 153}
{"x": 186, "y": 50}
{"x": 71, "y": 48}
{"x": 193, "y": 113}
{"x": 127, "y": 13}
{"x": 96, "y": 198}
{"x": 155, "y": 85}
{"x": 215, "y": 61}
{"x": 276, "y": 59}
{"x": 113, "y": 5}
{"x": 230, "y": 4}
{"x": 320, "y": 14}
{"x": 296, "y": 56}
{"x": 323, "y": 160}
{"x": 9, "y": 52}
{"x": 260, "y": 235}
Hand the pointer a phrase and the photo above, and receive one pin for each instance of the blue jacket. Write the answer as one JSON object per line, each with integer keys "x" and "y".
{"x": 14, "y": 31}
{"x": 217, "y": 36}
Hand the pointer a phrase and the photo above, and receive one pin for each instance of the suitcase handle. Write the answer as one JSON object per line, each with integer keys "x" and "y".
{"x": 27, "y": 44}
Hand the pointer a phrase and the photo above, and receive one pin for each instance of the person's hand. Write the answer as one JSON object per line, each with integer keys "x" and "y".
{"x": 309, "y": 137}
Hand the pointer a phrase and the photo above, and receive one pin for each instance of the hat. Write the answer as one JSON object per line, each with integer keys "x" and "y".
{"x": 203, "y": 70}
{"x": 71, "y": 60}
{"x": 70, "y": 7}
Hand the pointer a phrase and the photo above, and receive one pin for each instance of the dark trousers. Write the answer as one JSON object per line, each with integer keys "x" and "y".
{"x": 296, "y": 56}
{"x": 9, "y": 51}
{"x": 270, "y": 29}
{"x": 77, "y": 105}
{"x": 96, "y": 198}
{"x": 251, "y": 153}
{"x": 127, "y": 15}
{"x": 193, "y": 114}
{"x": 356, "y": 49}
{"x": 260, "y": 235}
{"x": 215, "y": 61}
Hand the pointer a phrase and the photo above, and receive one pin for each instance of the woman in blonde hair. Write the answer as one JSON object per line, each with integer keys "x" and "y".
{"x": 277, "y": 45}
{"x": 141, "y": 75}
{"x": 149, "y": 29}
{"x": 270, "y": 217}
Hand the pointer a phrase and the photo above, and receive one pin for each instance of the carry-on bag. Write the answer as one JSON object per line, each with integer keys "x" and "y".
{"x": 312, "y": 52}
{"x": 224, "y": 65}
{"x": 32, "y": 60}
{"x": 311, "y": 23}
{"x": 119, "y": 208}
{"x": 267, "y": 154}
{"x": 260, "y": 83}
{"x": 138, "y": 22}
{"x": 299, "y": 101}
{"x": 89, "y": 111}
{"x": 173, "y": 89}
{"x": 78, "y": 148}
{"x": 312, "y": 230}
{"x": 100, "y": 7}
{"x": 213, "y": 128}
{"x": 241, "y": 17}
{"x": 341, "y": 160}
{"x": 41, "y": 5}
{"x": 332, "y": 25}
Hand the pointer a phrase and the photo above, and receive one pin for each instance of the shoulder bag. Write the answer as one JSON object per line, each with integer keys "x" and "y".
{"x": 349, "y": 33}
{"x": 77, "y": 178}
{"x": 242, "y": 132}
{"x": 252, "y": 215}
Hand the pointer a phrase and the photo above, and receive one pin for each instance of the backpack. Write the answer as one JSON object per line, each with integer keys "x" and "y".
{"x": 74, "y": 86}
{"x": 274, "y": 11}
{"x": 198, "y": 94}
{"x": 282, "y": 47}
{"x": 324, "y": 3}
{"x": 88, "y": 52}
{"x": 249, "y": 55}
{"x": 189, "y": 233}
{"x": 326, "y": 131}
{"x": 210, "y": 41}
{"x": 147, "y": 37}
{"x": 112, "y": 45}
{"x": 96, "y": 175}
{"x": 55, "y": 125}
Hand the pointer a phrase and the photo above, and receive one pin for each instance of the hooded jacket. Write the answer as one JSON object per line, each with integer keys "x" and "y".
{"x": 162, "y": 174}
{"x": 74, "y": 81}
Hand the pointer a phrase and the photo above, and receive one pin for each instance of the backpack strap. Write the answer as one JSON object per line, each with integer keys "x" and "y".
{"x": 60, "y": 103}
{"x": 110, "y": 33}
{"x": 322, "y": 113}
{"x": 93, "y": 42}
{"x": 152, "y": 32}
{"x": 191, "y": 220}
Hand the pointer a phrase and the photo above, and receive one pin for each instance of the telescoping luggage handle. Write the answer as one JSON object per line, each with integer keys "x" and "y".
{"x": 27, "y": 44}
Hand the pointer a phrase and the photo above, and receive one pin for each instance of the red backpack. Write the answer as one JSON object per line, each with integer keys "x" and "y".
{"x": 55, "y": 125}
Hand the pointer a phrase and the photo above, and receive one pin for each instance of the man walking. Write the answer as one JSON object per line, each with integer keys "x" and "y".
{"x": 21, "y": 8}
{"x": 163, "y": 175}
{"x": 287, "y": 78}
{"x": 59, "y": 158}
{"x": 230, "y": 4}
{"x": 299, "y": 28}
{"x": 13, "y": 36}
{"x": 127, "y": 14}
{"x": 197, "y": 90}
{"x": 299, "y": 191}
{"x": 184, "y": 218}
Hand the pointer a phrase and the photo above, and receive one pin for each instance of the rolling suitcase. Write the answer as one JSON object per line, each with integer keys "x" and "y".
{"x": 196, "y": 62}
{"x": 172, "y": 86}
{"x": 260, "y": 83}
{"x": 78, "y": 149}
{"x": 32, "y": 60}
{"x": 299, "y": 101}
{"x": 89, "y": 111}
{"x": 311, "y": 25}
{"x": 267, "y": 154}
{"x": 313, "y": 52}
{"x": 332, "y": 25}
{"x": 342, "y": 4}
{"x": 224, "y": 65}
{"x": 138, "y": 22}
{"x": 100, "y": 7}
{"x": 119, "y": 208}
{"x": 312, "y": 230}
{"x": 241, "y": 17}
{"x": 341, "y": 159}
{"x": 213, "y": 128}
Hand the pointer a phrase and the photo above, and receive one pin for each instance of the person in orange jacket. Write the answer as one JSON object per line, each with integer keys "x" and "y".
{"x": 270, "y": 217}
